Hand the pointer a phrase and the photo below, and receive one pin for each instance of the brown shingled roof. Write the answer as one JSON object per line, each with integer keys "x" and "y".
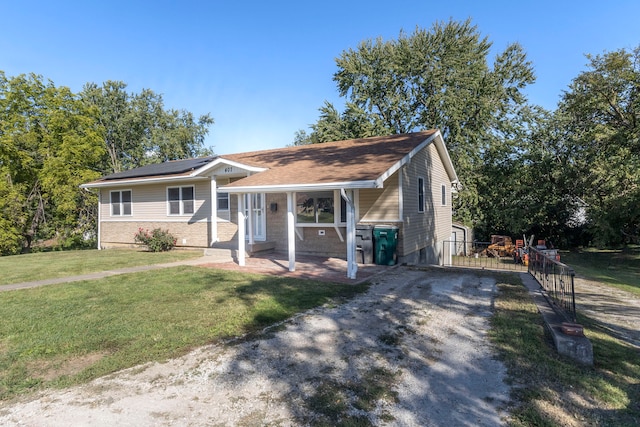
{"x": 357, "y": 162}
{"x": 365, "y": 159}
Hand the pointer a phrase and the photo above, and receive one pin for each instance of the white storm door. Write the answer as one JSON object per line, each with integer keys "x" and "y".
{"x": 258, "y": 218}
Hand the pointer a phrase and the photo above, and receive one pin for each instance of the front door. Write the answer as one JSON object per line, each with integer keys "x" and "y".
{"x": 258, "y": 216}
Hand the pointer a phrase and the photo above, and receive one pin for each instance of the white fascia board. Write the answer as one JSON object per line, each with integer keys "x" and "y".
{"x": 406, "y": 159}
{"x": 128, "y": 182}
{"x": 446, "y": 159}
{"x": 222, "y": 161}
{"x": 300, "y": 187}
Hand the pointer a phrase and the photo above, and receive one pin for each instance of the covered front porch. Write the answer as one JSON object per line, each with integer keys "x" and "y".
{"x": 326, "y": 269}
{"x": 293, "y": 230}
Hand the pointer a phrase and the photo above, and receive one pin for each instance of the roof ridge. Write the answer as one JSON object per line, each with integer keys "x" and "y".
{"x": 371, "y": 139}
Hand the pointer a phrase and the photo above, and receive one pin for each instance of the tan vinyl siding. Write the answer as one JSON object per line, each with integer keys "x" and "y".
{"x": 424, "y": 232}
{"x": 149, "y": 203}
{"x": 149, "y": 211}
{"x": 381, "y": 204}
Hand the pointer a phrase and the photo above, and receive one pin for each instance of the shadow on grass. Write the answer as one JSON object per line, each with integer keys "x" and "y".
{"x": 553, "y": 390}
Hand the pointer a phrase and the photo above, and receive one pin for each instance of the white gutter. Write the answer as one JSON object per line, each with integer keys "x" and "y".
{"x": 302, "y": 187}
{"x": 127, "y": 182}
{"x": 406, "y": 159}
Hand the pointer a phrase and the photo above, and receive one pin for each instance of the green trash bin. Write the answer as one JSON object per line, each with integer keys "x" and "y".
{"x": 385, "y": 240}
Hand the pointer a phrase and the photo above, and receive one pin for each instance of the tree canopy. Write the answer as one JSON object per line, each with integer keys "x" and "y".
{"x": 570, "y": 175}
{"x": 601, "y": 112}
{"x": 137, "y": 130}
{"x": 52, "y": 140}
{"x": 439, "y": 78}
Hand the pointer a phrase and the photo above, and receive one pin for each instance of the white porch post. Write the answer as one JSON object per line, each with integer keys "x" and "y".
{"x": 250, "y": 219}
{"x": 241, "y": 231}
{"x": 352, "y": 265}
{"x": 99, "y": 217}
{"x": 291, "y": 231}
{"x": 214, "y": 211}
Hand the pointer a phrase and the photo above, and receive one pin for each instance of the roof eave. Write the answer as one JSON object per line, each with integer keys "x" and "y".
{"x": 285, "y": 188}
{"x": 446, "y": 158}
{"x": 222, "y": 160}
{"x": 121, "y": 182}
{"x": 406, "y": 159}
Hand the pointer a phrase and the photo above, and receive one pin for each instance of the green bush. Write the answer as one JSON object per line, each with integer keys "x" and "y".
{"x": 157, "y": 240}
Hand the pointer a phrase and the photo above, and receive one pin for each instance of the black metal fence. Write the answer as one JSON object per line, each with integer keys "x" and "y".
{"x": 556, "y": 279}
{"x": 478, "y": 255}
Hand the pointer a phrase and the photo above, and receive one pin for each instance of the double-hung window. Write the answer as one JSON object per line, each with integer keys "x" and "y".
{"x": 223, "y": 201}
{"x": 319, "y": 208}
{"x": 180, "y": 200}
{"x": 420, "y": 194}
{"x": 120, "y": 203}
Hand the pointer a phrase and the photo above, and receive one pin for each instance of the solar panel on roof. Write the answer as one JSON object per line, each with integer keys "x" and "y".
{"x": 167, "y": 168}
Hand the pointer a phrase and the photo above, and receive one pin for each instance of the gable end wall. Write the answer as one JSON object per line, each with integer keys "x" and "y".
{"x": 424, "y": 232}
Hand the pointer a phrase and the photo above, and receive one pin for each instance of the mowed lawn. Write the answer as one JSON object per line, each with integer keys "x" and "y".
{"x": 619, "y": 268}
{"x": 65, "y": 334}
{"x": 50, "y": 265}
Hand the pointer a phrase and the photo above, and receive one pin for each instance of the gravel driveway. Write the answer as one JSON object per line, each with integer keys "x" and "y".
{"x": 412, "y": 351}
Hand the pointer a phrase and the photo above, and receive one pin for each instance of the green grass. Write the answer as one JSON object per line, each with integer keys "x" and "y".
{"x": 50, "y": 265}
{"x": 619, "y": 268}
{"x": 60, "y": 335}
{"x": 553, "y": 390}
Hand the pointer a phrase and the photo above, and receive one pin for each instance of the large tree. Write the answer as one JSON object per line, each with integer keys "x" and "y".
{"x": 49, "y": 145}
{"x": 438, "y": 78}
{"x": 602, "y": 112}
{"x": 52, "y": 140}
{"x": 138, "y": 130}
{"x": 527, "y": 186}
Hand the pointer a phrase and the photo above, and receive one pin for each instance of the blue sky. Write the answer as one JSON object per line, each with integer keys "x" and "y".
{"x": 262, "y": 69}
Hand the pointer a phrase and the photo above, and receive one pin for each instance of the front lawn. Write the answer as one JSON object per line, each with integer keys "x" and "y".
{"x": 60, "y": 335}
{"x": 50, "y": 265}
{"x": 619, "y": 268}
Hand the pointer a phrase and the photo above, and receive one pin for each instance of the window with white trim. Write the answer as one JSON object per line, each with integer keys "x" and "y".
{"x": 120, "y": 203}
{"x": 420, "y": 194}
{"x": 180, "y": 200}
{"x": 319, "y": 208}
{"x": 444, "y": 195}
{"x": 223, "y": 201}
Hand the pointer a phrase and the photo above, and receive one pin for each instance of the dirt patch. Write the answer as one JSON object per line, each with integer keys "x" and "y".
{"x": 411, "y": 351}
{"x": 52, "y": 369}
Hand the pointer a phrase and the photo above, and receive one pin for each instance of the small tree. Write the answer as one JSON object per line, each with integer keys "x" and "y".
{"x": 157, "y": 240}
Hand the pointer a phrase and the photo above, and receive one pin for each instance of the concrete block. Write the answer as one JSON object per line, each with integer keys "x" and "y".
{"x": 575, "y": 346}
{"x": 578, "y": 348}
